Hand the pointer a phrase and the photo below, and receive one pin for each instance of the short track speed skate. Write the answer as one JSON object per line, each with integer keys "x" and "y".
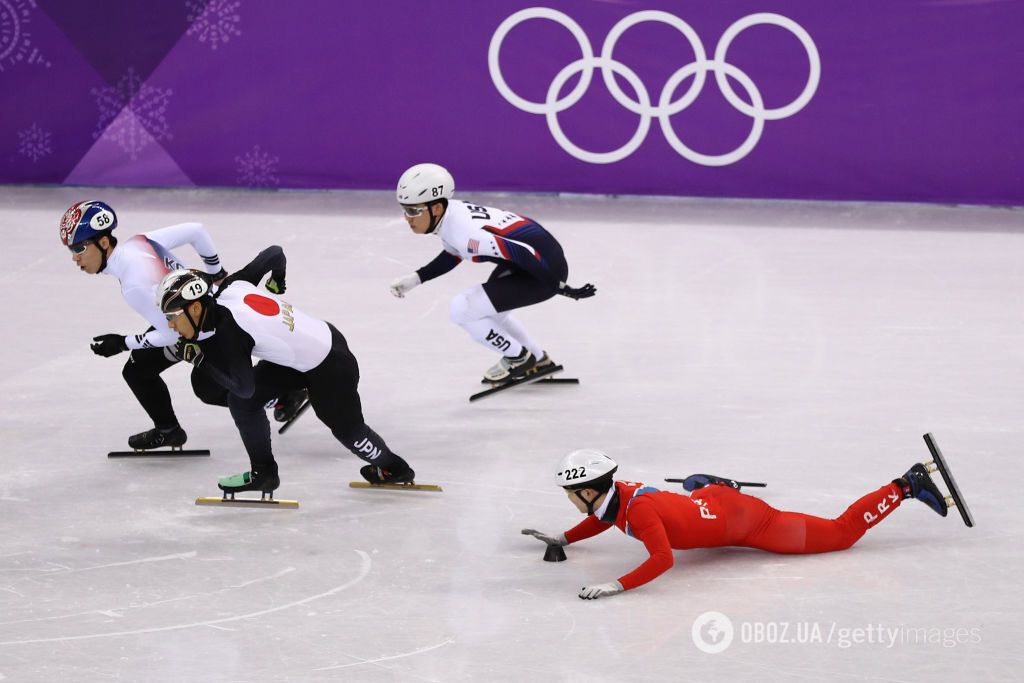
{"x": 955, "y": 497}
{"x": 290, "y": 421}
{"x": 152, "y": 443}
{"x": 249, "y": 481}
{"x": 290, "y": 408}
{"x": 699, "y": 481}
{"x": 539, "y": 375}
{"x": 378, "y": 478}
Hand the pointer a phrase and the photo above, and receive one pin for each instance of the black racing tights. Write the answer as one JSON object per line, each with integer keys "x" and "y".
{"x": 333, "y": 394}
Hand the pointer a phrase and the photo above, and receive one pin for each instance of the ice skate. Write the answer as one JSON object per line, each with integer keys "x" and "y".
{"x": 249, "y": 481}
{"x": 938, "y": 464}
{"x": 379, "y": 475}
{"x": 916, "y": 483}
{"x": 509, "y": 368}
{"x": 541, "y": 366}
{"x": 145, "y": 444}
{"x": 156, "y": 438}
{"x": 539, "y": 372}
{"x": 398, "y": 480}
{"x": 699, "y": 481}
{"x": 265, "y": 483}
{"x": 287, "y": 406}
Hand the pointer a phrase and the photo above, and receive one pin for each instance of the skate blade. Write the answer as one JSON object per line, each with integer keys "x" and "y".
{"x": 955, "y": 498}
{"x": 248, "y": 502}
{"x": 298, "y": 413}
{"x": 395, "y": 487}
{"x": 159, "y": 453}
{"x": 540, "y": 377}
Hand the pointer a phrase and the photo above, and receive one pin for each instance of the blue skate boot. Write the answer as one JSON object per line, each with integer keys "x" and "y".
{"x": 699, "y": 481}
{"x": 916, "y": 483}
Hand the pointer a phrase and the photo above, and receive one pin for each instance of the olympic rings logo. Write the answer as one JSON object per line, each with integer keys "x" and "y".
{"x": 666, "y": 106}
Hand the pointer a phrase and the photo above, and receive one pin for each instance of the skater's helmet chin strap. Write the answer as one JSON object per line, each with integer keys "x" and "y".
{"x": 592, "y": 505}
{"x": 197, "y": 325}
{"x": 589, "y": 503}
{"x": 436, "y": 221}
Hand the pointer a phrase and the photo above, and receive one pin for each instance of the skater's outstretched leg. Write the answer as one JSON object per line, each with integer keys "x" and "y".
{"x": 334, "y": 397}
{"x": 385, "y": 466}
{"x": 755, "y": 524}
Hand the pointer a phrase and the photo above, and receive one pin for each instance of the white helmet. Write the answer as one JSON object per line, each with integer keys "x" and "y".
{"x": 585, "y": 468}
{"x": 425, "y": 183}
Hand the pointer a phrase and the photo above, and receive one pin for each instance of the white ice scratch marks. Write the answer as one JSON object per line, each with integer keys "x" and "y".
{"x": 114, "y": 611}
{"x": 364, "y": 569}
{"x": 446, "y": 641}
{"x": 162, "y": 558}
{"x": 572, "y": 626}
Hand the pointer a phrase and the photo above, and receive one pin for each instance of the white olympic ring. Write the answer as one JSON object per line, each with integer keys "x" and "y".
{"x": 666, "y": 107}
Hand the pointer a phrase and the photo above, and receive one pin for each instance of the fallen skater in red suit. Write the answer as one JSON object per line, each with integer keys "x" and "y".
{"x": 716, "y": 514}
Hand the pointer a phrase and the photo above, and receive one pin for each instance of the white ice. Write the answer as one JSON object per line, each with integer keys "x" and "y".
{"x": 809, "y": 345}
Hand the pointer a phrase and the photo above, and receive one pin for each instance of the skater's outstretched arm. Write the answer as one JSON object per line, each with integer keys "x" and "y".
{"x": 646, "y": 525}
{"x": 590, "y": 526}
{"x": 271, "y": 260}
{"x": 159, "y": 335}
{"x": 442, "y": 263}
{"x": 193, "y": 234}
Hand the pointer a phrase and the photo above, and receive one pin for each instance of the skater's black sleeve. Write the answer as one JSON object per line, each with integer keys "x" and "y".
{"x": 441, "y": 264}
{"x": 228, "y": 356}
{"x": 271, "y": 260}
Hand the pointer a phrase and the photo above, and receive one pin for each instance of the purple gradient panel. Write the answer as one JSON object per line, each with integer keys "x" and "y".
{"x": 47, "y": 112}
{"x": 918, "y": 99}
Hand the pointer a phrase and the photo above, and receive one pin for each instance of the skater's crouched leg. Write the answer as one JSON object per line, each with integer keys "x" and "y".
{"x": 207, "y": 390}
{"x": 470, "y": 306}
{"x": 253, "y": 426}
{"x": 142, "y": 374}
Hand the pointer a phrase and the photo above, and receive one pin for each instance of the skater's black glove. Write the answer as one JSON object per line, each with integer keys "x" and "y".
{"x": 276, "y": 283}
{"x": 585, "y": 292}
{"x": 188, "y": 352}
{"x": 108, "y": 345}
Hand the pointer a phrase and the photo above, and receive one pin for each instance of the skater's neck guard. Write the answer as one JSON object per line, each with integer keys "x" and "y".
{"x": 609, "y": 511}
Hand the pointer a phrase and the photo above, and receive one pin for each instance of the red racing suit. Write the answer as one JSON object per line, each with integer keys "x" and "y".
{"x": 718, "y": 515}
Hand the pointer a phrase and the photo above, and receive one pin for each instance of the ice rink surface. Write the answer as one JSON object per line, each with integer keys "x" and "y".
{"x": 806, "y": 345}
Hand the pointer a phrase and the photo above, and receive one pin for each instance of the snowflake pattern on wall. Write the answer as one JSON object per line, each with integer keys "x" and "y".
{"x": 257, "y": 168}
{"x": 34, "y": 142}
{"x": 213, "y": 21}
{"x": 15, "y": 36}
{"x": 146, "y": 107}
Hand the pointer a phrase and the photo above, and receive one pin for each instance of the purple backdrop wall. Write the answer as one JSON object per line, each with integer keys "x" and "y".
{"x": 917, "y": 100}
